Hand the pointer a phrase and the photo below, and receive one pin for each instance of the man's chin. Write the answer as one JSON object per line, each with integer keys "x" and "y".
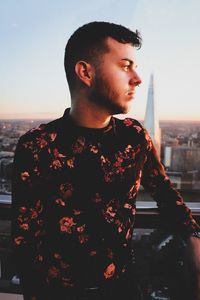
{"x": 125, "y": 109}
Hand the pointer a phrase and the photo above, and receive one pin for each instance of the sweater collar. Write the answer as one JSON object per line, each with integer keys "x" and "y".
{"x": 109, "y": 128}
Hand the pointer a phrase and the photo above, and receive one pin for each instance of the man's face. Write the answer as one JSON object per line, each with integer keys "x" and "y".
{"x": 115, "y": 79}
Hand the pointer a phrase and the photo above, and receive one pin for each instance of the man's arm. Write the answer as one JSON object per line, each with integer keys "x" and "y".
{"x": 175, "y": 214}
{"x": 26, "y": 209}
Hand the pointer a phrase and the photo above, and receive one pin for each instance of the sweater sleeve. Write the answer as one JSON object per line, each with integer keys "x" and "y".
{"x": 26, "y": 213}
{"x": 174, "y": 212}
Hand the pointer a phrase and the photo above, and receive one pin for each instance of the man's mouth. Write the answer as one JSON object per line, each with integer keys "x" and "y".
{"x": 131, "y": 92}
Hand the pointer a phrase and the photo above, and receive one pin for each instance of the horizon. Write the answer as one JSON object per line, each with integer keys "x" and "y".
{"x": 50, "y": 119}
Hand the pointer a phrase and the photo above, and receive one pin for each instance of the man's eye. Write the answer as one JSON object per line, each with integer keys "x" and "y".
{"x": 126, "y": 68}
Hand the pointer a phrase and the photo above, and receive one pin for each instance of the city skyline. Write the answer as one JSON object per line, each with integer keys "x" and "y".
{"x": 33, "y": 37}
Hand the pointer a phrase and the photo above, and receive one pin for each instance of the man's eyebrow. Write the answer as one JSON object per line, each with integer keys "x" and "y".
{"x": 129, "y": 60}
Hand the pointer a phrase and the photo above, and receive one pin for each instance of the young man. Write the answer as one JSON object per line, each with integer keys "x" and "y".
{"x": 75, "y": 180}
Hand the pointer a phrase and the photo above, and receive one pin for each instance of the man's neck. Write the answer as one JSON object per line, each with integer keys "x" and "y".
{"x": 89, "y": 116}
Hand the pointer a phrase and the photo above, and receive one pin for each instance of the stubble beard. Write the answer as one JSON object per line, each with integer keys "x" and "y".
{"x": 102, "y": 95}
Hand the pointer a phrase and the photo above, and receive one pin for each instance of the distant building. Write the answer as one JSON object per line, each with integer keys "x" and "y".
{"x": 6, "y": 163}
{"x": 182, "y": 163}
{"x": 182, "y": 158}
{"x": 151, "y": 121}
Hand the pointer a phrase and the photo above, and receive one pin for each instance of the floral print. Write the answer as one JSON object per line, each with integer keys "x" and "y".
{"x": 74, "y": 200}
{"x": 123, "y": 160}
{"x": 66, "y": 224}
{"x": 79, "y": 145}
{"x": 110, "y": 270}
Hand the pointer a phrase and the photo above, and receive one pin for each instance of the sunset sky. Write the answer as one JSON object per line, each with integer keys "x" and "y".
{"x": 33, "y": 35}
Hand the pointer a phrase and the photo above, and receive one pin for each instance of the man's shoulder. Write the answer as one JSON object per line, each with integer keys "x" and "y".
{"x": 130, "y": 124}
{"x": 43, "y": 134}
{"x": 133, "y": 130}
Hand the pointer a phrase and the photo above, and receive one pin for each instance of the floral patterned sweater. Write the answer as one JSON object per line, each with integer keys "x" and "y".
{"x": 74, "y": 200}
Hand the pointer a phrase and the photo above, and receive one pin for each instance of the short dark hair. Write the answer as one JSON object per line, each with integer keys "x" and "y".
{"x": 88, "y": 41}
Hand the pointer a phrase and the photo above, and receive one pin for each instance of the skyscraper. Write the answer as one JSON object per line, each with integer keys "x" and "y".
{"x": 151, "y": 121}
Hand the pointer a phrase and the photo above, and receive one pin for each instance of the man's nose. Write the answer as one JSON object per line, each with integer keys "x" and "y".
{"x": 135, "y": 79}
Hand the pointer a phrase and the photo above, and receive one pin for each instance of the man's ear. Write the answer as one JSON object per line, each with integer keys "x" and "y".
{"x": 84, "y": 71}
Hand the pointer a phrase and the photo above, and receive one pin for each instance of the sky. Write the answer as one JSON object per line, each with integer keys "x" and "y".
{"x": 33, "y": 35}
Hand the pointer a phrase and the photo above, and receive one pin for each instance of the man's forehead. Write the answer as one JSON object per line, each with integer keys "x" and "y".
{"x": 125, "y": 50}
{"x": 111, "y": 41}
